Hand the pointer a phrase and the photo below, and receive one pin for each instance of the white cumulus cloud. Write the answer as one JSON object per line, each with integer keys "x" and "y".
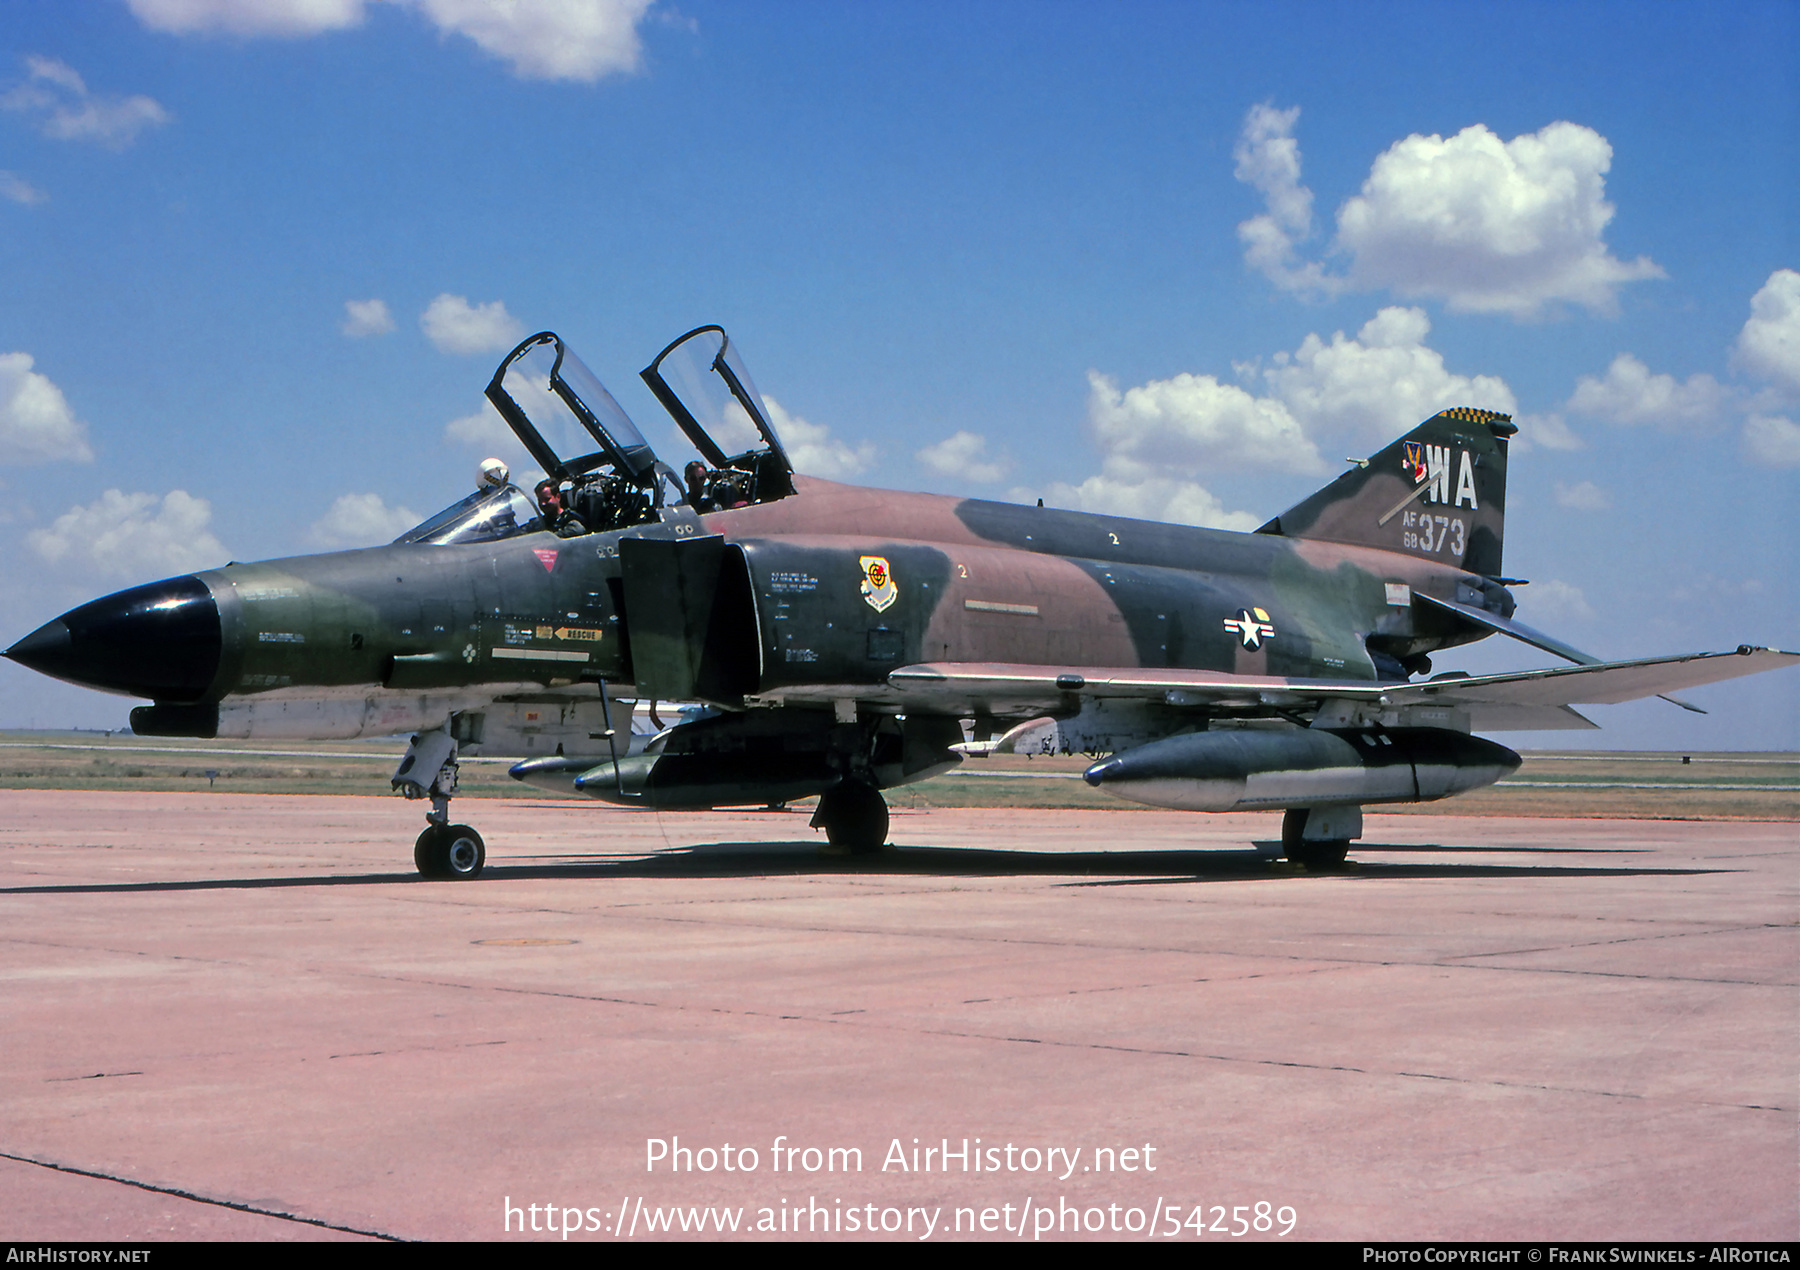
{"x": 363, "y": 318}
{"x": 36, "y": 423}
{"x": 1630, "y": 394}
{"x": 1548, "y": 430}
{"x": 1158, "y": 439}
{"x": 1181, "y": 502}
{"x": 549, "y": 39}
{"x": 1772, "y": 440}
{"x": 1584, "y": 496}
{"x": 537, "y": 39}
{"x": 1769, "y": 345}
{"x": 16, "y": 189}
{"x": 1370, "y": 389}
{"x": 964, "y": 454}
{"x": 291, "y": 18}
{"x": 456, "y": 326}
{"x": 133, "y": 536}
{"x": 1268, "y": 159}
{"x": 486, "y": 432}
{"x": 1555, "y": 600}
{"x": 813, "y": 449}
{"x": 1487, "y": 226}
{"x": 360, "y": 520}
{"x": 1190, "y": 422}
{"x": 56, "y": 95}
{"x": 484, "y": 427}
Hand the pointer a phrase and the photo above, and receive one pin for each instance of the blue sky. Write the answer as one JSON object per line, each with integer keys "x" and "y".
{"x": 1174, "y": 261}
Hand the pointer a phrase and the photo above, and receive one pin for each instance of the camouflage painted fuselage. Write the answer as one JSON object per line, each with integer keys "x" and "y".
{"x": 790, "y": 604}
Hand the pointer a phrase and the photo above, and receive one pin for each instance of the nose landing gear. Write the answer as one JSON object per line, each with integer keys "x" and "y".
{"x": 428, "y": 770}
{"x": 454, "y": 852}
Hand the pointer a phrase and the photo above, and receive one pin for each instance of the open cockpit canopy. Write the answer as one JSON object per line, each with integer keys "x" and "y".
{"x": 600, "y": 472}
{"x": 561, "y": 412}
{"x": 702, "y": 382}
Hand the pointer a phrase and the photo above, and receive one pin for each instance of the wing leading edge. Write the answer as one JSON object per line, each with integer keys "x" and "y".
{"x": 1517, "y": 700}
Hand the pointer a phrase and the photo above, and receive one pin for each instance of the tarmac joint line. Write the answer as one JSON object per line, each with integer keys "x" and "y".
{"x": 197, "y": 1198}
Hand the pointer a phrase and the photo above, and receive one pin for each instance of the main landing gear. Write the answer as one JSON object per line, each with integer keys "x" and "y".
{"x": 854, "y": 816}
{"x": 1319, "y": 837}
{"x": 429, "y": 771}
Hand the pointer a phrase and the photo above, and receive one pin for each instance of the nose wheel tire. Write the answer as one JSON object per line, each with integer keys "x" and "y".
{"x": 854, "y": 817}
{"x": 453, "y": 852}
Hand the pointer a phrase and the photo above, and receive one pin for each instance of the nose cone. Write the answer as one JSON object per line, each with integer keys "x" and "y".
{"x": 159, "y": 641}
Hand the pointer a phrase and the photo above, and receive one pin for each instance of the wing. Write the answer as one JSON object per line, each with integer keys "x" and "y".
{"x": 1529, "y": 699}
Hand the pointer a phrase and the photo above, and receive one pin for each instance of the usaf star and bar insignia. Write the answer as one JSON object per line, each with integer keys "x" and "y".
{"x": 1252, "y": 626}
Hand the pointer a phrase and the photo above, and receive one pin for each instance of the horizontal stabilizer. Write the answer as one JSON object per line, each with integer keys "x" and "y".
{"x": 1528, "y": 635}
{"x": 1506, "y": 626}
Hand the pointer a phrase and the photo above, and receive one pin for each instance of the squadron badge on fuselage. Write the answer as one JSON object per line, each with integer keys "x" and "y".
{"x": 878, "y": 589}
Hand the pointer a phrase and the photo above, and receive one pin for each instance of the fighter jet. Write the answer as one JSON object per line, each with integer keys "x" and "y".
{"x": 836, "y": 641}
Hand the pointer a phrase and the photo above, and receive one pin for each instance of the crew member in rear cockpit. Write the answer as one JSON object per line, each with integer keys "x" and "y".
{"x": 694, "y": 475}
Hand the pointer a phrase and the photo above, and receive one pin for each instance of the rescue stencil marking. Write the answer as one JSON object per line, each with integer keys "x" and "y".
{"x": 546, "y": 557}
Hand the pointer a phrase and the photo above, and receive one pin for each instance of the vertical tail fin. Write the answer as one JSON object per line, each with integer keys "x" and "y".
{"x": 1438, "y": 493}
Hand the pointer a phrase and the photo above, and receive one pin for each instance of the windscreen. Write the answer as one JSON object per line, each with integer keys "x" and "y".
{"x": 484, "y": 516}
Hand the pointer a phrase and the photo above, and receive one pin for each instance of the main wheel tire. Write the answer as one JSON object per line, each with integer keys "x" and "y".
{"x": 854, "y": 817}
{"x": 454, "y": 852}
{"x": 1318, "y": 853}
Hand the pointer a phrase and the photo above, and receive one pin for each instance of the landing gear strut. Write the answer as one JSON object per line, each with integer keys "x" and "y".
{"x": 1319, "y": 837}
{"x": 854, "y": 817}
{"x": 429, "y": 771}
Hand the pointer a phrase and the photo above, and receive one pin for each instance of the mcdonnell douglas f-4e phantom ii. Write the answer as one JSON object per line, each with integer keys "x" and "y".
{"x": 838, "y": 637}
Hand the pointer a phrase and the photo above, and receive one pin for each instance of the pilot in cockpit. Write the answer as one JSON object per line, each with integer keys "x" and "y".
{"x": 694, "y": 475}
{"x": 715, "y": 489}
{"x": 550, "y": 501}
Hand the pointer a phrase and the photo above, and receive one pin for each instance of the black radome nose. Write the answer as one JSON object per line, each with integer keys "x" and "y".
{"x": 159, "y": 641}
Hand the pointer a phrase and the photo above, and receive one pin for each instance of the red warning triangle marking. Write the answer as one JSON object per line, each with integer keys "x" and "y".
{"x": 546, "y": 557}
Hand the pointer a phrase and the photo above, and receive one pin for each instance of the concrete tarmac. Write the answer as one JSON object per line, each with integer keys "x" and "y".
{"x": 244, "y": 1017}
